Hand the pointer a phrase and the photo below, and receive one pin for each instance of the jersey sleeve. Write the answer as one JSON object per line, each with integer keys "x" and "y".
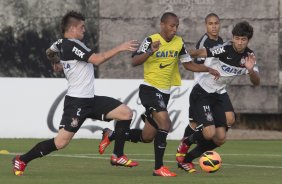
{"x": 78, "y": 50}
{"x": 216, "y": 51}
{"x": 56, "y": 46}
{"x": 199, "y": 60}
{"x": 144, "y": 47}
{"x": 184, "y": 56}
{"x": 200, "y": 45}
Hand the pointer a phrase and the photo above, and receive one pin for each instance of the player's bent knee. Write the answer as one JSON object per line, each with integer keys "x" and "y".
{"x": 61, "y": 144}
{"x": 209, "y": 132}
{"x": 126, "y": 112}
{"x": 219, "y": 142}
{"x": 208, "y": 136}
{"x": 230, "y": 120}
{"x": 147, "y": 140}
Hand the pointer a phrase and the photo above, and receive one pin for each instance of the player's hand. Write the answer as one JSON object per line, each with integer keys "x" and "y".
{"x": 215, "y": 73}
{"x": 155, "y": 45}
{"x": 57, "y": 67}
{"x": 131, "y": 45}
{"x": 250, "y": 61}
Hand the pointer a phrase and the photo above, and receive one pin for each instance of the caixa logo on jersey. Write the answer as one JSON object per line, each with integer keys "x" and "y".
{"x": 131, "y": 100}
{"x": 168, "y": 53}
{"x": 232, "y": 70}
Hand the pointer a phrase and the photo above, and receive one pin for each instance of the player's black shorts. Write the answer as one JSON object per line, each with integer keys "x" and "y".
{"x": 76, "y": 110}
{"x": 153, "y": 99}
{"x": 209, "y": 108}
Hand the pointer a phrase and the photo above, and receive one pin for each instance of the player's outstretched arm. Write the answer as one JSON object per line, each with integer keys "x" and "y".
{"x": 100, "y": 58}
{"x": 139, "y": 59}
{"x": 194, "y": 67}
{"x": 54, "y": 59}
{"x": 250, "y": 63}
{"x": 198, "y": 53}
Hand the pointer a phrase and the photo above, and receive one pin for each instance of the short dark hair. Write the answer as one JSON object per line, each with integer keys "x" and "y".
{"x": 211, "y": 15}
{"x": 243, "y": 29}
{"x": 69, "y": 19}
{"x": 166, "y": 15}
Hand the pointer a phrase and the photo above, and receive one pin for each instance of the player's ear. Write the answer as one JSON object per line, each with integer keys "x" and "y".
{"x": 162, "y": 24}
{"x": 71, "y": 28}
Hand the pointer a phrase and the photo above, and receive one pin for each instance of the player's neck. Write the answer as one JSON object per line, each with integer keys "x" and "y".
{"x": 164, "y": 37}
{"x": 213, "y": 37}
{"x": 69, "y": 36}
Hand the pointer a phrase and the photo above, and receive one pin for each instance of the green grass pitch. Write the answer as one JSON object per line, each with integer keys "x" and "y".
{"x": 245, "y": 162}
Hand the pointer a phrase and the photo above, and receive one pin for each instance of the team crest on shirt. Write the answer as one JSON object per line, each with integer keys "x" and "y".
{"x": 242, "y": 62}
{"x": 209, "y": 116}
{"x": 74, "y": 122}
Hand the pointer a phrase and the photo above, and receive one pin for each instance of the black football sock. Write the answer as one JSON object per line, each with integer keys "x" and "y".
{"x": 112, "y": 136}
{"x": 160, "y": 146}
{"x": 208, "y": 145}
{"x": 194, "y": 153}
{"x": 121, "y": 128}
{"x": 194, "y": 138}
{"x": 133, "y": 135}
{"x": 39, "y": 150}
{"x": 203, "y": 146}
{"x": 188, "y": 131}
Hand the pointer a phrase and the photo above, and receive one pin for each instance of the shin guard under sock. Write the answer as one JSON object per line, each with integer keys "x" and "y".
{"x": 194, "y": 138}
{"x": 203, "y": 146}
{"x": 39, "y": 150}
{"x": 194, "y": 153}
{"x": 121, "y": 128}
{"x": 160, "y": 146}
{"x": 134, "y": 135}
{"x": 188, "y": 131}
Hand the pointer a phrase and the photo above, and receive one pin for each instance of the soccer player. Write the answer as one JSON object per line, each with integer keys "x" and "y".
{"x": 160, "y": 54}
{"x": 80, "y": 101}
{"x": 210, "y": 105}
{"x": 209, "y": 40}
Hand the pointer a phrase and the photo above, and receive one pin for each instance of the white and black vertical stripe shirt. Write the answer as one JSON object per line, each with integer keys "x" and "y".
{"x": 79, "y": 73}
{"x": 228, "y": 63}
{"x": 205, "y": 42}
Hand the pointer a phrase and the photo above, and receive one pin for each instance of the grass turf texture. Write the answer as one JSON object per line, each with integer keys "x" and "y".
{"x": 245, "y": 162}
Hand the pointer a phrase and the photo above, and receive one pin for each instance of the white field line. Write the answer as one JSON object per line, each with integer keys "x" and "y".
{"x": 235, "y": 154}
{"x": 98, "y": 156}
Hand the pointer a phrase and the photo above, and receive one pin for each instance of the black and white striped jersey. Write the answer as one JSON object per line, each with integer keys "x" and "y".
{"x": 79, "y": 73}
{"x": 228, "y": 63}
{"x": 205, "y": 42}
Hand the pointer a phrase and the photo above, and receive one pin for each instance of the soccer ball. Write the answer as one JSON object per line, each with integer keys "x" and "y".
{"x": 210, "y": 161}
